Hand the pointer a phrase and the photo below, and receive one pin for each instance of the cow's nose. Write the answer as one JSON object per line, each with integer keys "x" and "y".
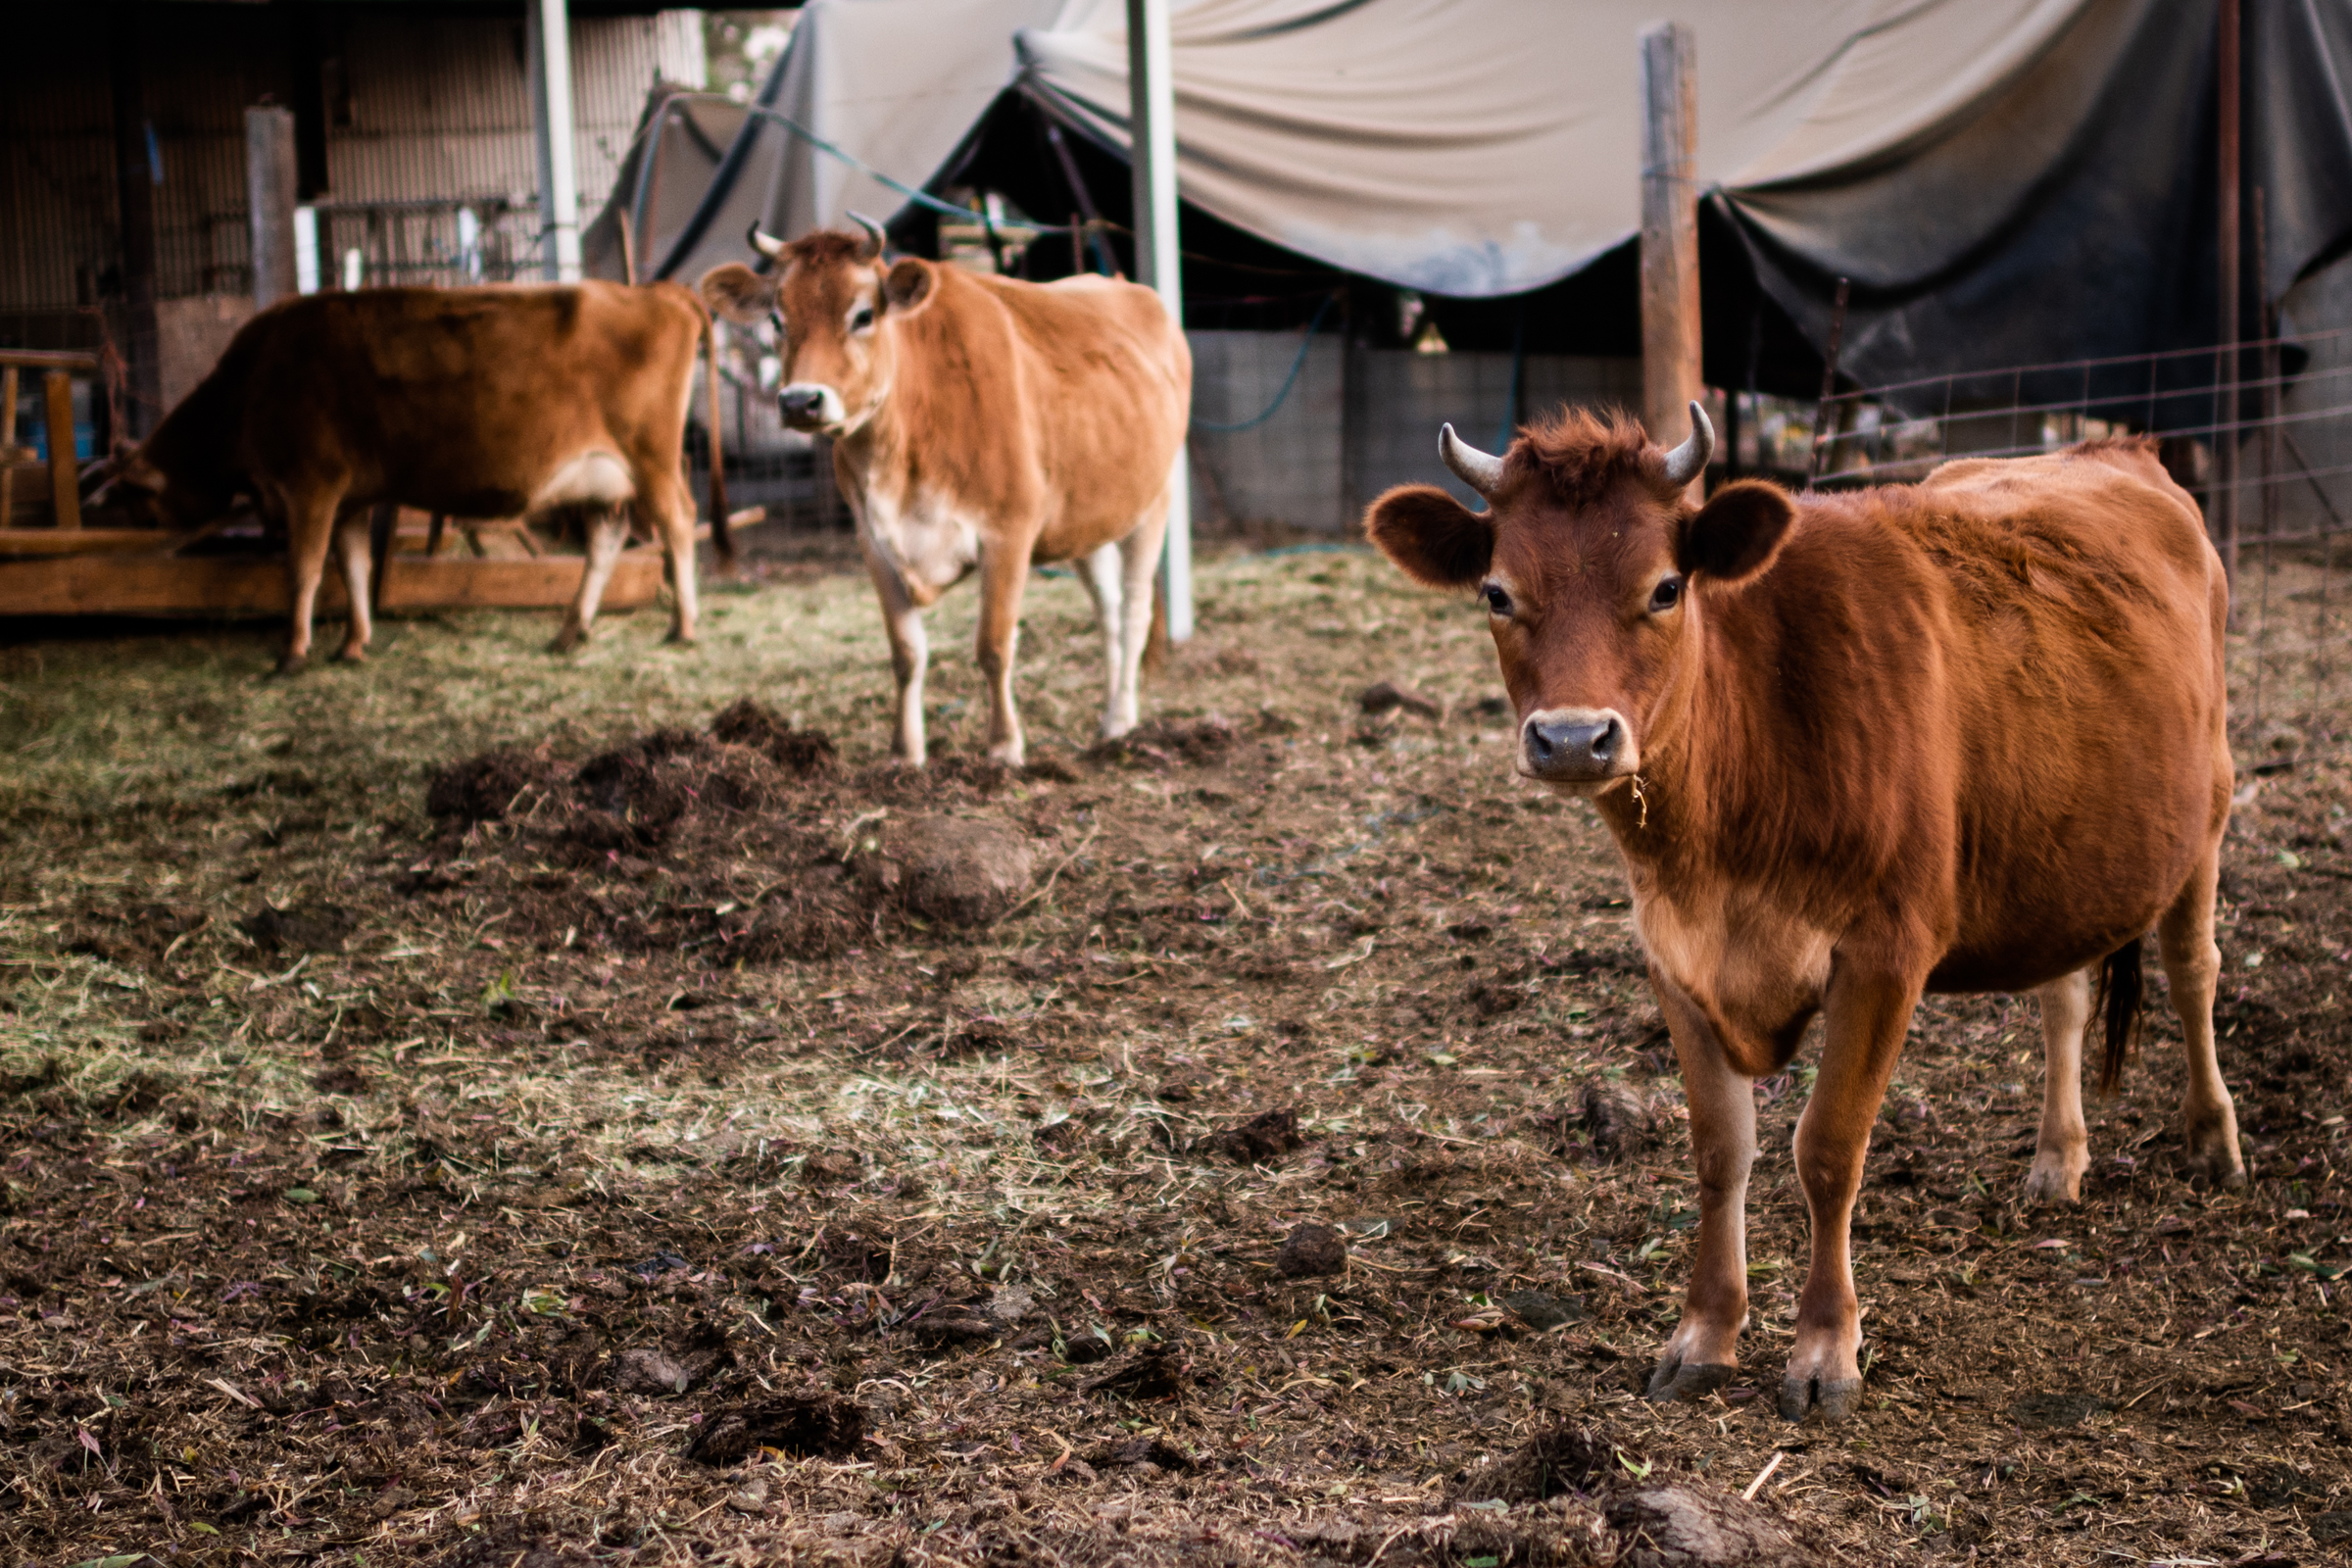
{"x": 1574, "y": 747}
{"x": 800, "y": 401}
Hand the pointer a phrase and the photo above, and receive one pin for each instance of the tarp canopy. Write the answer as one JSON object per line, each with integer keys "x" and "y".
{"x": 2002, "y": 179}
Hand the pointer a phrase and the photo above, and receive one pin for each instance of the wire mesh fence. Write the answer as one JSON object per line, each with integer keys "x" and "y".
{"x": 2261, "y": 434}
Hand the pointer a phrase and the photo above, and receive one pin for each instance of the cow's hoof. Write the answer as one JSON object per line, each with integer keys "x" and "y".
{"x": 680, "y": 639}
{"x": 1008, "y": 756}
{"x": 570, "y": 638}
{"x": 351, "y": 655}
{"x": 2213, "y": 1157}
{"x": 2053, "y": 1181}
{"x": 1833, "y": 1398}
{"x": 291, "y": 663}
{"x": 1687, "y": 1380}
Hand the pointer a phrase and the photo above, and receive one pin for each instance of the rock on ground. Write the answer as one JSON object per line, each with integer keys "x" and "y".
{"x": 957, "y": 870}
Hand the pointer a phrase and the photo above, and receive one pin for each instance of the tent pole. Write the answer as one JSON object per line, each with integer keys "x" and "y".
{"x": 550, "y": 29}
{"x": 1152, "y": 159}
{"x": 1670, "y": 340}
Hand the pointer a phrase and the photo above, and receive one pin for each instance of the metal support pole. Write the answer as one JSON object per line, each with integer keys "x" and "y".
{"x": 550, "y": 26}
{"x": 2225, "y": 435}
{"x": 270, "y": 200}
{"x": 1152, "y": 159}
{"x": 1670, "y": 339}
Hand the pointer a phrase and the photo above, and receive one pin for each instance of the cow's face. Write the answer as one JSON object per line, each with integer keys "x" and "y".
{"x": 834, "y": 303}
{"x": 154, "y": 499}
{"x": 1593, "y": 569}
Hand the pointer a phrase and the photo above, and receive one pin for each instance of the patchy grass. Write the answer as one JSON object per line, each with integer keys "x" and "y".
{"x": 373, "y": 1180}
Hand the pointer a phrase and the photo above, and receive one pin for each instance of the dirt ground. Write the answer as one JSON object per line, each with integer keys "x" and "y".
{"x": 647, "y": 1144}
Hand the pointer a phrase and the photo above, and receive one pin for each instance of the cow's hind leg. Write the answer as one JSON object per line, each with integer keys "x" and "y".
{"x": 607, "y": 530}
{"x": 309, "y": 532}
{"x": 1139, "y": 554}
{"x": 1866, "y": 1016}
{"x": 2063, "y": 1151}
{"x": 1703, "y": 1353}
{"x": 2192, "y": 962}
{"x": 910, "y": 654}
{"x": 1103, "y": 585}
{"x": 355, "y": 552}
{"x": 1004, "y": 574}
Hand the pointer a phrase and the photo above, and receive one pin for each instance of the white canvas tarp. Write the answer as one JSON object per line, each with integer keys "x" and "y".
{"x": 2030, "y": 166}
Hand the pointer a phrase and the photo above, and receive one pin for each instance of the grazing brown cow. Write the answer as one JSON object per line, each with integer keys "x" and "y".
{"x": 1962, "y": 736}
{"x": 981, "y": 423}
{"x": 491, "y": 402}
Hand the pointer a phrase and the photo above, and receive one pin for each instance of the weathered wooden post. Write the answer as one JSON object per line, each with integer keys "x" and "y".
{"x": 1670, "y": 341}
{"x": 1152, "y": 160}
{"x": 269, "y": 198}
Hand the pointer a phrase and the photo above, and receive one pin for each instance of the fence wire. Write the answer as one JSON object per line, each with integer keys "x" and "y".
{"x": 2260, "y": 435}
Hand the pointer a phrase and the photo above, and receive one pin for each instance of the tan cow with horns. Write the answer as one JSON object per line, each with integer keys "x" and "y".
{"x": 981, "y": 423}
{"x": 1961, "y": 736}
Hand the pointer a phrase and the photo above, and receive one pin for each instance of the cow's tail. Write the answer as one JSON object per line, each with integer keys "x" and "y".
{"x": 1155, "y": 642}
{"x": 720, "y": 537}
{"x": 2120, "y": 995}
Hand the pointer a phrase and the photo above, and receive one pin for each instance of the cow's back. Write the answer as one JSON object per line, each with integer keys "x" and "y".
{"x": 465, "y": 399}
{"x": 1089, "y": 396}
{"x": 1998, "y": 700}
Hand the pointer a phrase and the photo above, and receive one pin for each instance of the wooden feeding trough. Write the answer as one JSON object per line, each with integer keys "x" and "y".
{"x": 51, "y": 564}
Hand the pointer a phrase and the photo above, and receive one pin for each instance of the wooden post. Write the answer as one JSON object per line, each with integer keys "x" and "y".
{"x": 269, "y": 198}
{"x": 65, "y": 469}
{"x": 136, "y": 179}
{"x": 1152, "y": 161}
{"x": 2224, "y": 434}
{"x": 8, "y": 445}
{"x": 1670, "y": 340}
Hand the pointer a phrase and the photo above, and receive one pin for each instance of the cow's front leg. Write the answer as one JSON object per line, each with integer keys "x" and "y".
{"x": 1004, "y": 574}
{"x": 607, "y": 532}
{"x": 354, "y": 550}
{"x": 309, "y": 532}
{"x": 1866, "y": 1016}
{"x": 2063, "y": 1150}
{"x": 677, "y": 541}
{"x": 909, "y": 655}
{"x": 1704, "y": 1353}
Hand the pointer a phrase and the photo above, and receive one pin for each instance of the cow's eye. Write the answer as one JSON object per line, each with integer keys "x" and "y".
{"x": 1497, "y": 602}
{"x": 862, "y": 317}
{"x": 1666, "y": 595}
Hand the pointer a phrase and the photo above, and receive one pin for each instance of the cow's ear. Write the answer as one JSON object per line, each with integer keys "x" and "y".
{"x": 738, "y": 293}
{"x": 1433, "y": 538}
{"x": 908, "y": 284}
{"x": 1736, "y": 533}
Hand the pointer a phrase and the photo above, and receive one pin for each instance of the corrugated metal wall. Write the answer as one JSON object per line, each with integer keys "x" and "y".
{"x": 438, "y": 108}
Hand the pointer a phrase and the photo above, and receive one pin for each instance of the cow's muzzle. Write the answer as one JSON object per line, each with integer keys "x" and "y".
{"x": 1576, "y": 745}
{"x": 809, "y": 405}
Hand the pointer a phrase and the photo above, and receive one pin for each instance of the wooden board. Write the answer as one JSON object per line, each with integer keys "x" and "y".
{"x": 161, "y": 586}
{"x": 79, "y": 541}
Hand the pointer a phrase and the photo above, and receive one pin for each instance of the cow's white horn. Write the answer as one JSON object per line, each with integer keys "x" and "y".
{"x": 873, "y": 236}
{"x": 1481, "y": 471}
{"x": 1689, "y": 460}
{"x": 766, "y": 245}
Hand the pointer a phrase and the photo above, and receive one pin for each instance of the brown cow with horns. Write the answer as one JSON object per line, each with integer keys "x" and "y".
{"x": 1961, "y": 736}
{"x": 981, "y": 424}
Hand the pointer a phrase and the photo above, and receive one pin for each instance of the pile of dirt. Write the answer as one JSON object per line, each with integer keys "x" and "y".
{"x": 744, "y": 840}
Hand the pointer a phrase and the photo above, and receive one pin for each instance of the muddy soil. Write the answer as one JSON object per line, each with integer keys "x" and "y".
{"x": 480, "y": 1109}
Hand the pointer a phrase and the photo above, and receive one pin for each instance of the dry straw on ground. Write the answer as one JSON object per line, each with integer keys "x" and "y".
{"x": 649, "y": 1146}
